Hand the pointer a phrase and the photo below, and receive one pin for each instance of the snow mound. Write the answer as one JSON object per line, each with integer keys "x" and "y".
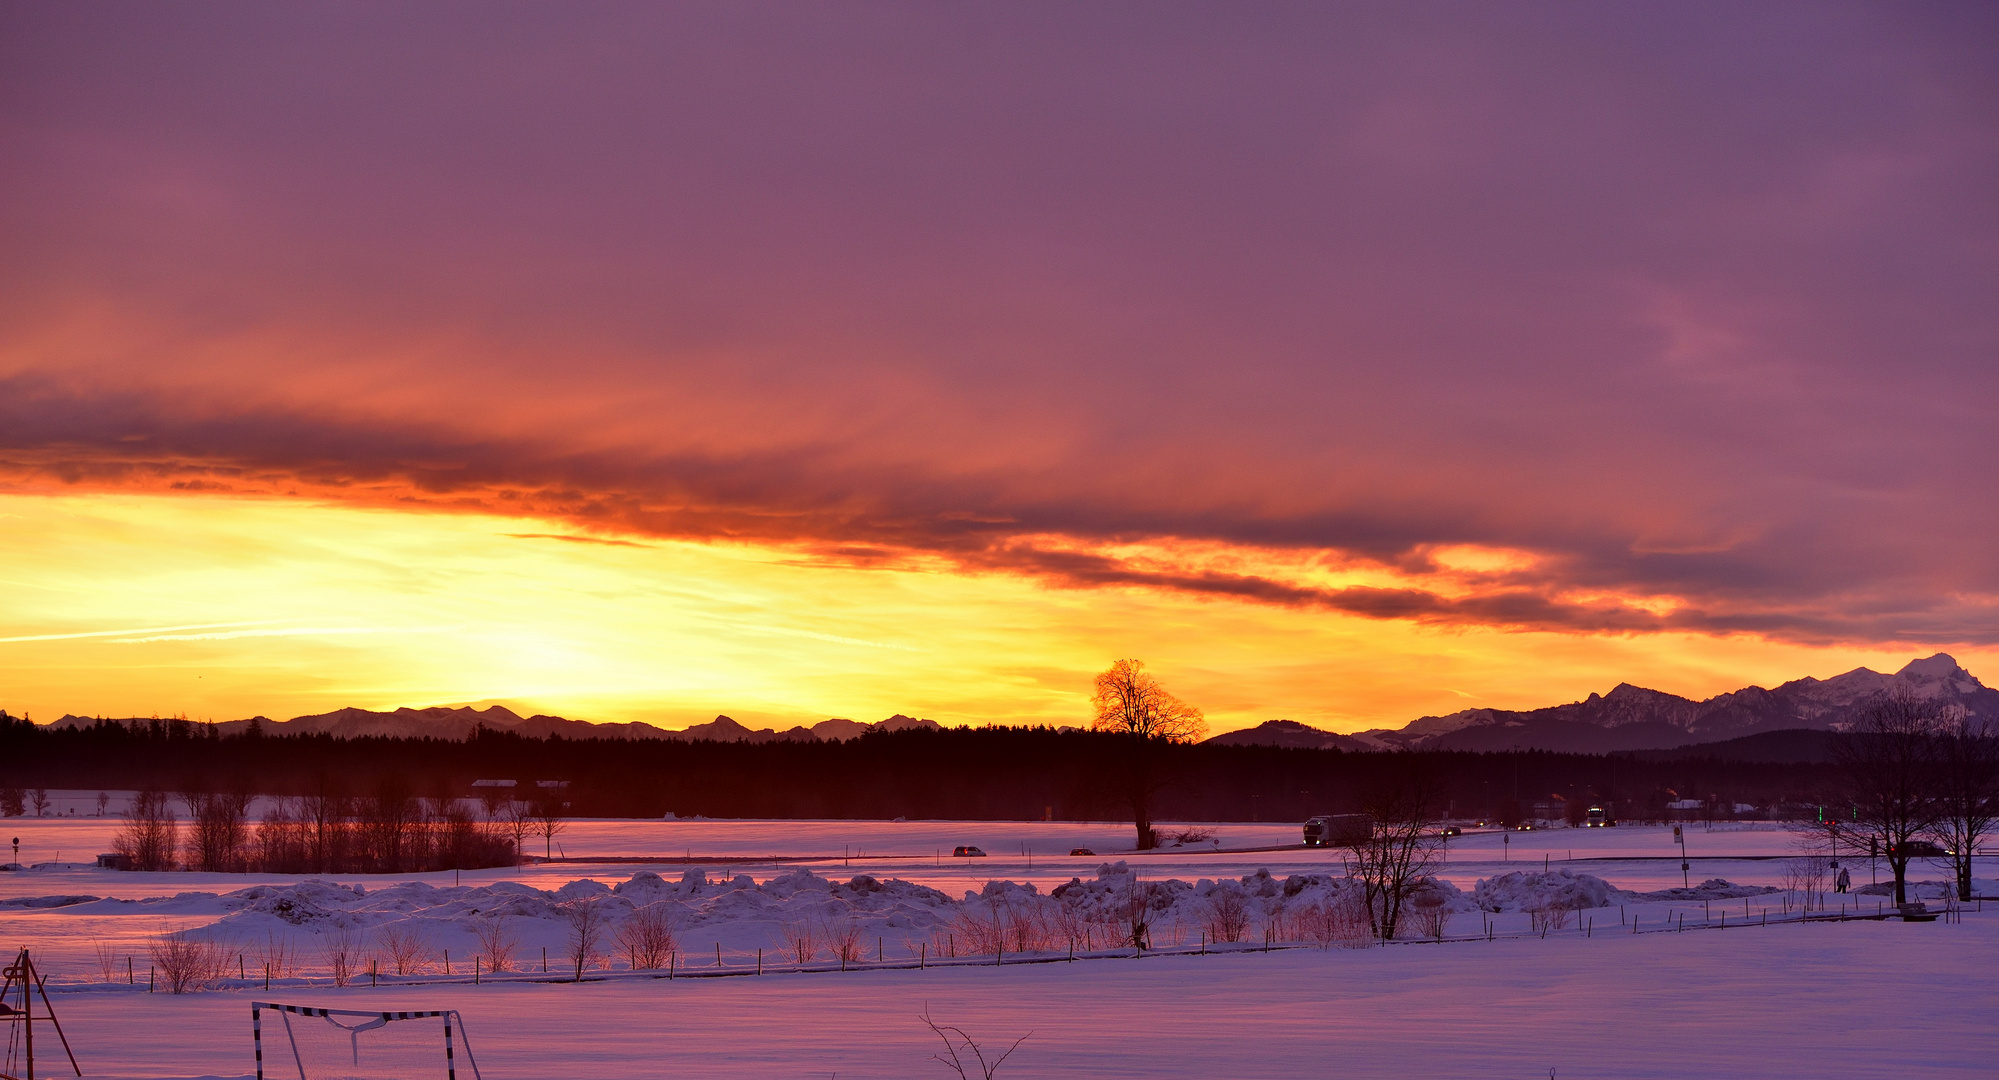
{"x": 1922, "y": 890}
{"x": 1711, "y": 889}
{"x": 1525, "y": 890}
{"x": 48, "y": 901}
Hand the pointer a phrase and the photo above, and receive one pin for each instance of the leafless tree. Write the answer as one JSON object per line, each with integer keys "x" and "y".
{"x": 103, "y": 802}
{"x": 40, "y": 798}
{"x": 1130, "y": 702}
{"x": 1967, "y": 792}
{"x": 1405, "y": 803}
{"x": 647, "y": 936}
{"x": 551, "y": 816}
{"x": 1888, "y": 766}
{"x": 962, "y": 1055}
{"x": 388, "y": 820}
{"x": 517, "y": 818}
{"x": 218, "y": 828}
{"x": 150, "y": 835}
{"x": 324, "y": 810}
{"x": 494, "y": 800}
{"x": 11, "y": 801}
{"x": 586, "y": 933}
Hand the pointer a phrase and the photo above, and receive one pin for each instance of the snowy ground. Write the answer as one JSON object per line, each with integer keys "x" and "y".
{"x": 1590, "y": 998}
{"x": 1858, "y": 999}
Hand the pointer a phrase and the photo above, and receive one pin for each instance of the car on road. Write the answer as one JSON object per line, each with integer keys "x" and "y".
{"x": 967, "y": 851}
{"x": 1081, "y": 851}
{"x": 1452, "y": 830}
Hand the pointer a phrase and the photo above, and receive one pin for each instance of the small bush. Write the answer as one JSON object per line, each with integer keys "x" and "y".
{"x": 342, "y": 952}
{"x": 647, "y": 937}
{"x": 496, "y": 942}
{"x": 409, "y": 951}
{"x": 186, "y": 963}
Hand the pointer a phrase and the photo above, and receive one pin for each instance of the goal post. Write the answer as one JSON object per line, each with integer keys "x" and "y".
{"x": 360, "y": 1044}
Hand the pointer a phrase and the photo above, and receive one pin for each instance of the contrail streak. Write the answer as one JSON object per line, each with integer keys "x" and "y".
{"x": 136, "y": 630}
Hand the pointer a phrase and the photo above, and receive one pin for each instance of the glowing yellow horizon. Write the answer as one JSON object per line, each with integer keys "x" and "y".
{"x": 225, "y": 607}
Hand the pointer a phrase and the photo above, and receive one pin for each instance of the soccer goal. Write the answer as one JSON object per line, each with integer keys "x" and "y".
{"x": 353, "y": 1044}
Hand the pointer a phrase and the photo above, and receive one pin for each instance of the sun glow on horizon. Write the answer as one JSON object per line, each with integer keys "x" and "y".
{"x": 226, "y": 607}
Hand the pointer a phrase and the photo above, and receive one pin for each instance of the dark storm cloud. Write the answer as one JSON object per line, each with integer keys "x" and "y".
{"x": 1686, "y": 301}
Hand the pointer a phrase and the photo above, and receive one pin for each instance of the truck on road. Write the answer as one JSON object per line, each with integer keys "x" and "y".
{"x": 1338, "y": 830}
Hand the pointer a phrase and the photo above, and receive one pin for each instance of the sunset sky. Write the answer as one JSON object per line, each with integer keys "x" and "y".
{"x": 1345, "y": 363}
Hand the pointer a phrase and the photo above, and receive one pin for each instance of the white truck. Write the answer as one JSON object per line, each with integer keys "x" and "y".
{"x": 1337, "y": 830}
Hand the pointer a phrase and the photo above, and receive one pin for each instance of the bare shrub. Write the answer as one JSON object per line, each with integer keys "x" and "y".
{"x": 843, "y": 938}
{"x": 342, "y": 952}
{"x": 647, "y": 937}
{"x": 496, "y": 941}
{"x": 964, "y": 1056}
{"x": 1431, "y": 913}
{"x": 1075, "y": 926}
{"x": 586, "y": 933}
{"x": 978, "y": 928}
{"x": 186, "y": 963}
{"x": 1193, "y": 836}
{"x": 106, "y": 955}
{"x": 801, "y": 940}
{"x": 1228, "y": 916}
{"x": 1339, "y": 921}
{"x": 150, "y": 835}
{"x": 1553, "y": 915}
{"x": 1807, "y": 878}
{"x": 1135, "y": 914}
{"x": 277, "y": 954}
{"x": 409, "y": 949}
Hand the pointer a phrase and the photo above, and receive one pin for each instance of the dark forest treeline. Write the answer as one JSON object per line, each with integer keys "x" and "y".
{"x": 994, "y": 773}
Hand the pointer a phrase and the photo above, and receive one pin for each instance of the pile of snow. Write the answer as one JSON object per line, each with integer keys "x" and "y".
{"x": 734, "y": 919}
{"x": 1711, "y": 889}
{"x": 1926, "y": 890}
{"x": 1525, "y": 890}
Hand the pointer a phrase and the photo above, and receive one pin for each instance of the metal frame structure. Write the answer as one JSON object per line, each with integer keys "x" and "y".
{"x": 22, "y": 971}
{"x": 368, "y": 1021}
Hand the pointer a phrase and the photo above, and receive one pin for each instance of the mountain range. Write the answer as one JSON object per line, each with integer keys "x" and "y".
{"x": 1628, "y": 718}
{"x": 459, "y": 722}
{"x": 1634, "y": 718}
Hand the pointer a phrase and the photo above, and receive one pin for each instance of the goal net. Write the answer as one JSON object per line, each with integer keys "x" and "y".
{"x": 311, "y": 1043}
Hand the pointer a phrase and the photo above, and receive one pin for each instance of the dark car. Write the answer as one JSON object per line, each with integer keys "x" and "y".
{"x": 1922, "y": 849}
{"x": 1081, "y": 851}
{"x": 1452, "y": 830}
{"x": 967, "y": 850}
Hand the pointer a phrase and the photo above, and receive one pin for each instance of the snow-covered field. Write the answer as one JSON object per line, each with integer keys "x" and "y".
{"x": 1588, "y": 999}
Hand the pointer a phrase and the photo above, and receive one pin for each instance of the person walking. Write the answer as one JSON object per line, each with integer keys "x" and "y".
{"x": 1843, "y": 882}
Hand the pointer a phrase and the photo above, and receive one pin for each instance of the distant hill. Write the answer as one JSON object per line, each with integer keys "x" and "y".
{"x": 1289, "y": 733}
{"x": 1633, "y": 718}
{"x": 459, "y": 722}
